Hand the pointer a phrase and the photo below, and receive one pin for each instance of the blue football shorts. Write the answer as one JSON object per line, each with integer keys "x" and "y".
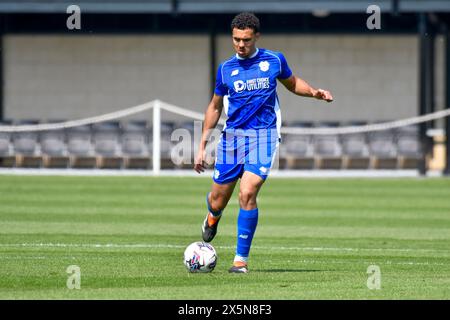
{"x": 240, "y": 151}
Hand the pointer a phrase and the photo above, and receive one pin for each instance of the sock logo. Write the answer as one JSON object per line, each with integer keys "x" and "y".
{"x": 243, "y": 236}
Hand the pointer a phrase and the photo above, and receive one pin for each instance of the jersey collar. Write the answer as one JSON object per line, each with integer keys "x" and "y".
{"x": 252, "y": 56}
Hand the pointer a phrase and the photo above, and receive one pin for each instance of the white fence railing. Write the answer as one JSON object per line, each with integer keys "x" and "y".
{"x": 157, "y": 105}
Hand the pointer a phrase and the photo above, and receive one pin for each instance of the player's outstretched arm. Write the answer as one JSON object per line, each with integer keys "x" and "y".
{"x": 302, "y": 88}
{"x": 212, "y": 116}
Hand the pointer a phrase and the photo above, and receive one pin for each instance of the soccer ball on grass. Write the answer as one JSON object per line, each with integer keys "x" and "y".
{"x": 200, "y": 257}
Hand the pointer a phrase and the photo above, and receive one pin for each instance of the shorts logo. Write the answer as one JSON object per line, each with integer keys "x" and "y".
{"x": 216, "y": 174}
{"x": 235, "y": 72}
{"x": 264, "y": 66}
{"x": 263, "y": 170}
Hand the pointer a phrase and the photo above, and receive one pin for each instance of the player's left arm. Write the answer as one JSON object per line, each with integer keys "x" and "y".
{"x": 300, "y": 87}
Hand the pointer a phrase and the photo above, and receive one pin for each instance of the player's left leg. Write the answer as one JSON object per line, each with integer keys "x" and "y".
{"x": 259, "y": 161}
{"x": 247, "y": 219}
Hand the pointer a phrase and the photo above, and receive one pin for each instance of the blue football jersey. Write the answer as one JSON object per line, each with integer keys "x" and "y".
{"x": 249, "y": 89}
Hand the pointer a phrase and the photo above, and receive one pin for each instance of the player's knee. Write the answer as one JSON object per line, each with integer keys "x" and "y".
{"x": 247, "y": 199}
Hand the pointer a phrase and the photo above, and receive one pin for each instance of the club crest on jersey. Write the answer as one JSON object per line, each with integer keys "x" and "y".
{"x": 264, "y": 66}
{"x": 235, "y": 72}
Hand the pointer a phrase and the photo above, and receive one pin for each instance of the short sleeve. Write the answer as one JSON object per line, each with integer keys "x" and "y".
{"x": 221, "y": 89}
{"x": 285, "y": 70}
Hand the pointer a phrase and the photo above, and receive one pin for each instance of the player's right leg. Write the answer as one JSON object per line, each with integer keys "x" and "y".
{"x": 216, "y": 201}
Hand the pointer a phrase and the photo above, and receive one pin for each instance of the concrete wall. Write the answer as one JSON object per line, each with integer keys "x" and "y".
{"x": 60, "y": 77}
{"x": 64, "y": 77}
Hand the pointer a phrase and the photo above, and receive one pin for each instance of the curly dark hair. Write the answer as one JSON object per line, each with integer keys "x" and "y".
{"x": 245, "y": 20}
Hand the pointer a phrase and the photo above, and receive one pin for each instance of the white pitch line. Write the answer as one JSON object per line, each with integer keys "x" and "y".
{"x": 408, "y": 263}
{"x": 311, "y": 261}
{"x": 22, "y": 257}
{"x": 170, "y": 246}
{"x": 87, "y": 245}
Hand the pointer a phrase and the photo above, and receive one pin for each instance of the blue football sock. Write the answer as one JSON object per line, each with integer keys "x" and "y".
{"x": 247, "y": 222}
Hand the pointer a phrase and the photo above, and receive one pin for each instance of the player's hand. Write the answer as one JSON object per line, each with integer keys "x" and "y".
{"x": 199, "y": 162}
{"x": 323, "y": 95}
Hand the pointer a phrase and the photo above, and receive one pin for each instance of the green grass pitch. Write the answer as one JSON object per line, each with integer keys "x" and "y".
{"x": 315, "y": 239}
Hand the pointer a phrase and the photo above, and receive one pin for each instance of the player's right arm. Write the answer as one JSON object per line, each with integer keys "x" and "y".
{"x": 212, "y": 116}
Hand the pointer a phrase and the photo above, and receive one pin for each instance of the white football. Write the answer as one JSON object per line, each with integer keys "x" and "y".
{"x": 200, "y": 257}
